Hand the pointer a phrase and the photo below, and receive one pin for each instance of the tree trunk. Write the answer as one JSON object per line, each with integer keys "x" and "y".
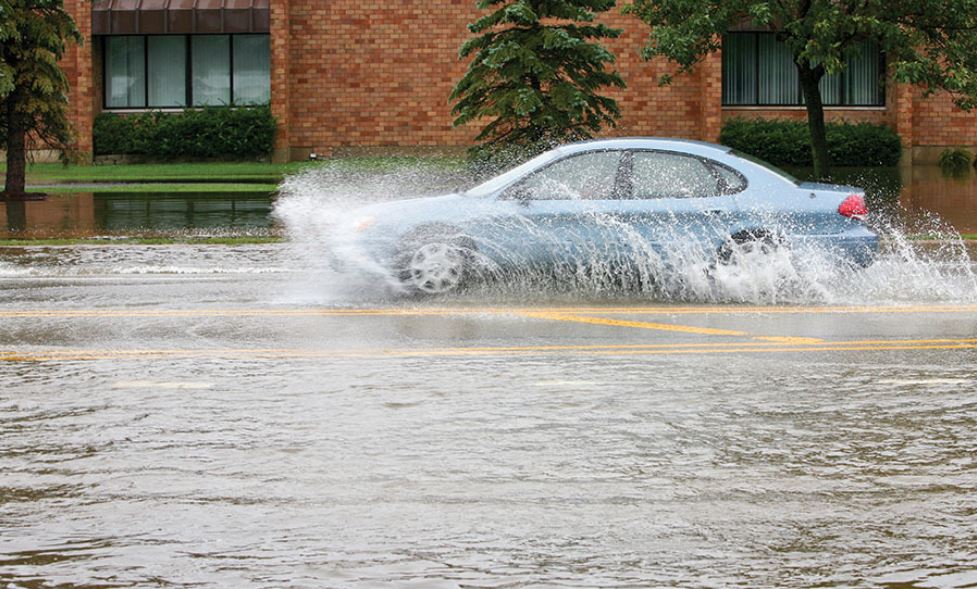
{"x": 810, "y": 78}
{"x": 16, "y": 157}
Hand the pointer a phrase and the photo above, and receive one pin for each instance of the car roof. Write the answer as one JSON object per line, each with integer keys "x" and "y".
{"x": 669, "y": 143}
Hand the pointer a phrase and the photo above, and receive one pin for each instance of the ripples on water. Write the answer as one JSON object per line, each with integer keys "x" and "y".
{"x": 569, "y": 472}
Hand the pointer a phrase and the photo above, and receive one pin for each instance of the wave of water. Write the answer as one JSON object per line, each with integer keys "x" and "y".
{"x": 10, "y": 271}
{"x": 922, "y": 259}
{"x": 135, "y": 260}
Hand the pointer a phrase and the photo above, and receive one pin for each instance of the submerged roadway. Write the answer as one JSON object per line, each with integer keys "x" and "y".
{"x": 196, "y": 422}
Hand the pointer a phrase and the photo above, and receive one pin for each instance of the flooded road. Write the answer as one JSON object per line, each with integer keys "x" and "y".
{"x": 223, "y": 417}
{"x": 909, "y": 193}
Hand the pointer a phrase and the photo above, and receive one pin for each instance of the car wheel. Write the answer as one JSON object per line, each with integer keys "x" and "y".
{"x": 748, "y": 245}
{"x": 435, "y": 266}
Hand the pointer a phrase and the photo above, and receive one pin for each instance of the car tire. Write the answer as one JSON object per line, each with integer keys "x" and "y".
{"x": 434, "y": 262}
{"x": 748, "y": 243}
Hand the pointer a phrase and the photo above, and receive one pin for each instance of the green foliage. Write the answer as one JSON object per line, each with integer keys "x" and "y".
{"x": 863, "y": 144}
{"x": 210, "y": 132}
{"x": 955, "y": 161}
{"x": 33, "y": 88}
{"x": 7, "y": 31}
{"x": 929, "y": 43}
{"x": 535, "y": 73}
{"x": 787, "y": 143}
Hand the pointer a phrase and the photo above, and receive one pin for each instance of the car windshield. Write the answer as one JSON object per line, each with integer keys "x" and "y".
{"x": 501, "y": 181}
{"x": 766, "y": 165}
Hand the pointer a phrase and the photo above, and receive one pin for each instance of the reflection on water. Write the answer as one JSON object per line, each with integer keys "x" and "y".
{"x": 913, "y": 191}
{"x": 908, "y": 192}
{"x": 84, "y": 214}
{"x": 953, "y": 199}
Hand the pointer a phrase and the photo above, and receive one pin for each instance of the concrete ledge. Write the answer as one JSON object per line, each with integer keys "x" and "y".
{"x": 51, "y": 156}
{"x": 930, "y": 154}
{"x": 303, "y": 153}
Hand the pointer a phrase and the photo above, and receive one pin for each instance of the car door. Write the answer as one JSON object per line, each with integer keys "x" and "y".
{"x": 553, "y": 215}
{"x": 680, "y": 205}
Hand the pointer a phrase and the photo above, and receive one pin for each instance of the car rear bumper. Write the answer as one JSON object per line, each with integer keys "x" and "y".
{"x": 858, "y": 246}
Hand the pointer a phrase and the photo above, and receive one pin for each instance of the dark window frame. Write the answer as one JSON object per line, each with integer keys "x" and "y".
{"x": 188, "y": 72}
{"x": 756, "y": 82}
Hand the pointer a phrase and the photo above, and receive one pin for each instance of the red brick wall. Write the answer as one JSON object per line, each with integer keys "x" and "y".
{"x": 351, "y": 74}
{"x": 78, "y": 66}
{"x": 380, "y": 76}
{"x": 937, "y": 122}
{"x": 280, "y": 58}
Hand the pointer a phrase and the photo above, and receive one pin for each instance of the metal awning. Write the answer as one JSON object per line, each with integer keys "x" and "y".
{"x": 161, "y": 17}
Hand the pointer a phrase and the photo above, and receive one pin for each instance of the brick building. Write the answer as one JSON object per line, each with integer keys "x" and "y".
{"x": 347, "y": 76}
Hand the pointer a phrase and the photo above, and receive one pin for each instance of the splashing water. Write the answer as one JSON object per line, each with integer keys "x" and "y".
{"x": 921, "y": 259}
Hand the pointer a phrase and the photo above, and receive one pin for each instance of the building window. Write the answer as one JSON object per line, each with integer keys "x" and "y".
{"x": 173, "y": 71}
{"x": 125, "y": 72}
{"x": 167, "y": 59}
{"x": 758, "y": 70}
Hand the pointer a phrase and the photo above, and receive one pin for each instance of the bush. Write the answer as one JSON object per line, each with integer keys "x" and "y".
{"x": 788, "y": 143}
{"x": 210, "y": 132}
{"x": 955, "y": 161}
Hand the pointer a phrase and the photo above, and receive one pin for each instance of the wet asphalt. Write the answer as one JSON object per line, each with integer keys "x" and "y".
{"x": 220, "y": 418}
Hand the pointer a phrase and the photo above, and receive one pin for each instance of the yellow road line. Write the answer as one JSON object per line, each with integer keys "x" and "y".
{"x": 789, "y": 339}
{"x": 596, "y": 350}
{"x": 799, "y": 349}
{"x": 635, "y": 324}
{"x": 464, "y": 311}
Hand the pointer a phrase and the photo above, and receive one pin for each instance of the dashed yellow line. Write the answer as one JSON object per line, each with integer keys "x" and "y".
{"x": 751, "y": 347}
{"x": 789, "y": 339}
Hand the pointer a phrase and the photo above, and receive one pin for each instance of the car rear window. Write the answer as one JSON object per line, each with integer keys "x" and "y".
{"x": 770, "y": 167}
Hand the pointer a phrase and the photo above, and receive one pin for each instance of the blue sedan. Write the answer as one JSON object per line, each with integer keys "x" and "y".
{"x": 617, "y": 204}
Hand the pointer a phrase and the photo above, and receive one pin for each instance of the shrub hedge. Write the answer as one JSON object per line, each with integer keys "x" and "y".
{"x": 210, "y": 132}
{"x": 955, "y": 161}
{"x": 787, "y": 143}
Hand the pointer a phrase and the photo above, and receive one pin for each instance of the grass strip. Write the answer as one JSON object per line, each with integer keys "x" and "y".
{"x": 932, "y": 237}
{"x": 166, "y": 188}
{"x": 262, "y": 172}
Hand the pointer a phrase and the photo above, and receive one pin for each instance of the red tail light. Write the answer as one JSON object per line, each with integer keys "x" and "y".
{"x": 853, "y": 207}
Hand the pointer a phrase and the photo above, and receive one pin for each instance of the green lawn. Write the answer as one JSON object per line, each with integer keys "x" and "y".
{"x": 162, "y": 187}
{"x": 232, "y": 172}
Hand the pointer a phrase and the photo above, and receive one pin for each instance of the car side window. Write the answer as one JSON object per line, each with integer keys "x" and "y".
{"x": 587, "y": 176}
{"x": 732, "y": 181}
{"x": 657, "y": 174}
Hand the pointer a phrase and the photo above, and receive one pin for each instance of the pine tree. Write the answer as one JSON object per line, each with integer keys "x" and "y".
{"x": 33, "y": 88}
{"x": 535, "y": 73}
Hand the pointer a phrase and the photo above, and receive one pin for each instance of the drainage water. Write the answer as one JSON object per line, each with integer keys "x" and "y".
{"x": 922, "y": 258}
